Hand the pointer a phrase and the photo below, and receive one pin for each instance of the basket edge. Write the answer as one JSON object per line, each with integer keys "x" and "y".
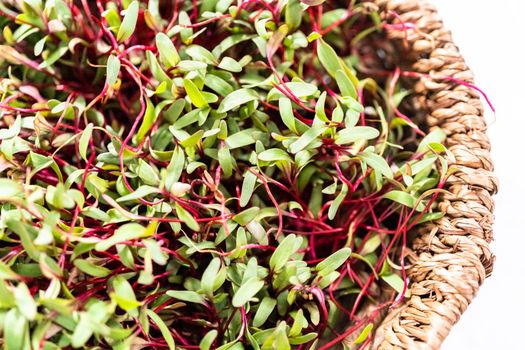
{"x": 455, "y": 258}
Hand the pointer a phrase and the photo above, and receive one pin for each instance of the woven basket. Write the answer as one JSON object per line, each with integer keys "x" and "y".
{"x": 451, "y": 258}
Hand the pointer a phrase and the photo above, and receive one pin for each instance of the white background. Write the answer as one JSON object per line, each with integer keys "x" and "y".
{"x": 491, "y": 37}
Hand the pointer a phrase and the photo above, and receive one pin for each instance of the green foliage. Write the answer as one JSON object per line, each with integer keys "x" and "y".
{"x": 221, "y": 176}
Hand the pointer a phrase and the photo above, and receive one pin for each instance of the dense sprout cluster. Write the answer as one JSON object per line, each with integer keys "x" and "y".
{"x": 203, "y": 174}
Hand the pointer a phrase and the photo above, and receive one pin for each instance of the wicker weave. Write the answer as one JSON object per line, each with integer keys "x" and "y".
{"x": 450, "y": 259}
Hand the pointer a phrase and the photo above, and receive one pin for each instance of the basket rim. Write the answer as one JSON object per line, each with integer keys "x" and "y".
{"x": 452, "y": 256}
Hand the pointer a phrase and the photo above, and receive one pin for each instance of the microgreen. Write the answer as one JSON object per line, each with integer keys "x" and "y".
{"x": 204, "y": 174}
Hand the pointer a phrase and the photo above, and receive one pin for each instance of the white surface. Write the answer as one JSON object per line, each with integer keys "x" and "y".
{"x": 490, "y": 35}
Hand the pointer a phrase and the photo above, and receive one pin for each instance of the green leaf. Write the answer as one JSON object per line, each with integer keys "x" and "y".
{"x": 164, "y": 330}
{"x": 247, "y": 291}
{"x": 113, "y": 19}
{"x": 315, "y": 316}
{"x": 54, "y": 56}
{"x": 59, "y": 197}
{"x": 91, "y": 269}
{"x": 49, "y": 265}
{"x": 328, "y": 58}
{"x": 123, "y": 233}
{"x": 175, "y": 168}
{"x": 435, "y": 136}
{"x": 297, "y": 88}
{"x": 13, "y": 130}
{"x": 126, "y": 256}
{"x": 155, "y": 251}
{"x": 124, "y": 295}
{"x": 6, "y": 273}
{"x": 334, "y": 261}
{"x": 356, "y": 133}
{"x": 218, "y": 84}
{"x": 378, "y": 163}
{"x": 264, "y": 311}
{"x": 223, "y": 130}
{"x": 337, "y": 202}
{"x": 345, "y": 84}
{"x": 194, "y": 94}
{"x": 82, "y": 331}
{"x": 84, "y": 141}
{"x": 186, "y": 32}
{"x": 129, "y": 22}
{"x": 233, "y": 345}
{"x": 36, "y": 5}
{"x": 405, "y": 199}
{"x": 248, "y": 186}
{"x": 309, "y": 136}
{"x": 9, "y": 189}
{"x": 395, "y": 281}
{"x": 209, "y": 275}
{"x": 156, "y": 69}
{"x": 331, "y": 188}
{"x": 39, "y": 333}
{"x": 225, "y": 160}
{"x": 186, "y": 295}
{"x": 175, "y": 110}
{"x": 332, "y": 16}
{"x": 328, "y": 279}
{"x": 147, "y": 121}
{"x": 293, "y": 14}
{"x": 229, "y": 64}
{"x": 25, "y": 302}
{"x": 41, "y": 162}
{"x": 26, "y": 234}
{"x": 364, "y": 334}
{"x": 430, "y": 217}
{"x": 252, "y": 340}
{"x": 147, "y": 173}
{"x": 237, "y": 98}
{"x": 299, "y": 323}
{"x": 286, "y": 112}
{"x": 373, "y": 242}
{"x": 39, "y": 46}
{"x": 423, "y": 164}
{"x": 192, "y": 140}
{"x": 251, "y": 267}
{"x": 208, "y": 340}
{"x": 303, "y": 339}
{"x": 274, "y": 155}
{"x": 190, "y": 66}
{"x": 141, "y": 192}
{"x": 281, "y": 341}
{"x": 241, "y": 139}
{"x": 200, "y": 53}
{"x": 313, "y": 36}
{"x": 112, "y": 70}
{"x": 15, "y": 330}
{"x": 274, "y": 42}
{"x": 244, "y": 217}
{"x": 167, "y": 52}
{"x": 284, "y": 251}
{"x": 187, "y": 218}
{"x": 320, "y": 112}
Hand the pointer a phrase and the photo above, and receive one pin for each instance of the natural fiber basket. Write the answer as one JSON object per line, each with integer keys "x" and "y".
{"x": 450, "y": 258}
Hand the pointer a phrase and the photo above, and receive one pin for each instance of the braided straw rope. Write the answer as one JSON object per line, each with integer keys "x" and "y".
{"x": 450, "y": 259}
